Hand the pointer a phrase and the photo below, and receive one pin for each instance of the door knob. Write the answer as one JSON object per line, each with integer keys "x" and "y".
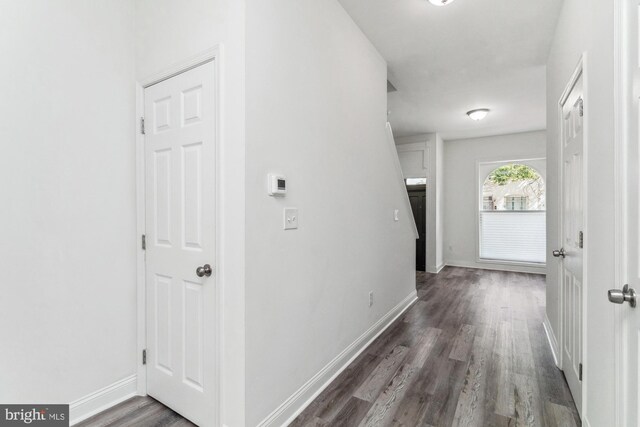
{"x": 559, "y": 253}
{"x": 204, "y": 270}
{"x": 627, "y": 294}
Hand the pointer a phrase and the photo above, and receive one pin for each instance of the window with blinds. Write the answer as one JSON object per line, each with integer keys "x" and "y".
{"x": 512, "y": 217}
{"x": 516, "y": 236}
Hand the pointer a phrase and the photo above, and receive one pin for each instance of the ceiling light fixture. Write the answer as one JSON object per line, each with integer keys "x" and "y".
{"x": 440, "y": 2}
{"x": 478, "y": 114}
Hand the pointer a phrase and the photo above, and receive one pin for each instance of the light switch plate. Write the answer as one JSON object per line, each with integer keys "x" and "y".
{"x": 290, "y": 218}
{"x": 395, "y": 215}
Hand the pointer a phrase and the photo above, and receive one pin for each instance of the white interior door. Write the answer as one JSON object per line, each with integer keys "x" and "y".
{"x": 180, "y": 237}
{"x": 572, "y": 226}
{"x": 627, "y": 317}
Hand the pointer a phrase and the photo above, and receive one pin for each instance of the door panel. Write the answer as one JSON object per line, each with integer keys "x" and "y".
{"x": 180, "y": 223}
{"x": 628, "y": 318}
{"x": 572, "y": 226}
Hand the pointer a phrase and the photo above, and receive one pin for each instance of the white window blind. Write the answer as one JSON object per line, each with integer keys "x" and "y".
{"x": 513, "y": 236}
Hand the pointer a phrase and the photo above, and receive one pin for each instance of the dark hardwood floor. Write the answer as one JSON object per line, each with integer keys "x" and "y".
{"x": 470, "y": 352}
{"x": 137, "y": 412}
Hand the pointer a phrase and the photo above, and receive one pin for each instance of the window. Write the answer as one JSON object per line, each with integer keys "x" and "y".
{"x": 513, "y": 187}
{"x": 487, "y": 203}
{"x": 512, "y": 217}
{"x": 516, "y": 203}
{"x": 416, "y": 181}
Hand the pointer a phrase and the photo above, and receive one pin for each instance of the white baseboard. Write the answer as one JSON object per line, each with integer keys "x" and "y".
{"x": 497, "y": 266}
{"x": 551, "y": 339}
{"x": 295, "y": 404}
{"x": 435, "y": 269}
{"x": 102, "y": 399}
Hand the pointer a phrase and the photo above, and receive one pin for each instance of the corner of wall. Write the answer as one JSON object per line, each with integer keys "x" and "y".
{"x": 435, "y": 269}
{"x": 439, "y": 199}
{"x": 553, "y": 342}
{"x": 102, "y": 399}
{"x": 298, "y": 401}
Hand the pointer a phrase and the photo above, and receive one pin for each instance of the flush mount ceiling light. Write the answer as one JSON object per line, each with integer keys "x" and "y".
{"x": 440, "y": 2}
{"x": 478, "y": 114}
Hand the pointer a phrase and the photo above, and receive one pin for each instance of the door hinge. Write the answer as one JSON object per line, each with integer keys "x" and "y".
{"x": 142, "y": 125}
{"x": 581, "y": 107}
{"x": 581, "y": 240}
{"x": 143, "y": 242}
{"x": 144, "y": 356}
{"x": 580, "y": 372}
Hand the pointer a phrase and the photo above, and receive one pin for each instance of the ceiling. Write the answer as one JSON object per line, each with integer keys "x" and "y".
{"x": 445, "y": 61}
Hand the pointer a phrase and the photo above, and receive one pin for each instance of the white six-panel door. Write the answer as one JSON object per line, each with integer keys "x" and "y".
{"x": 572, "y": 227}
{"x": 627, "y": 363}
{"x": 180, "y": 237}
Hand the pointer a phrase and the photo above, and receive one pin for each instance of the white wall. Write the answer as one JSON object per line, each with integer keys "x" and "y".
{"x": 168, "y": 32}
{"x": 461, "y": 192}
{"x": 413, "y": 157}
{"x": 316, "y": 112}
{"x": 422, "y": 156}
{"x": 68, "y": 306}
{"x": 587, "y": 26}
{"x": 413, "y": 152}
{"x": 70, "y": 236}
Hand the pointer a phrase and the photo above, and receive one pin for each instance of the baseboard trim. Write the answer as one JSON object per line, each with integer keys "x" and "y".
{"x": 498, "y": 267}
{"x": 435, "y": 269}
{"x": 102, "y": 399}
{"x": 298, "y": 401}
{"x": 551, "y": 339}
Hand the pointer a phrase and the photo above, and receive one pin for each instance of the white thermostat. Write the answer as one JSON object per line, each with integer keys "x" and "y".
{"x": 277, "y": 185}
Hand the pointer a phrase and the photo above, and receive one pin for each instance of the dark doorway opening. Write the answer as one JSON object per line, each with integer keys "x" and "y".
{"x": 418, "y": 199}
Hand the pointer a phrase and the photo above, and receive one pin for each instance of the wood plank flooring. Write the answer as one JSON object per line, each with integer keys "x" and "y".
{"x": 137, "y": 412}
{"x": 470, "y": 352}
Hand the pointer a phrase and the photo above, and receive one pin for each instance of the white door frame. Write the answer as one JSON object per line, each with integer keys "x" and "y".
{"x": 623, "y": 88}
{"x": 210, "y": 55}
{"x": 580, "y": 70}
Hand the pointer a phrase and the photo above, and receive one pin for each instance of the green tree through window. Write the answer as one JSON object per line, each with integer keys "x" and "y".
{"x": 513, "y": 187}
{"x": 513, "y": 173}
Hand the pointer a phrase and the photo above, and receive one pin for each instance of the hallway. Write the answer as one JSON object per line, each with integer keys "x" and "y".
{"x": 472, "y": 351}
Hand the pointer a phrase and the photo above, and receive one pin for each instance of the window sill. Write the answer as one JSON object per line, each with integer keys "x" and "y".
{"x": 514, "y": 263}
